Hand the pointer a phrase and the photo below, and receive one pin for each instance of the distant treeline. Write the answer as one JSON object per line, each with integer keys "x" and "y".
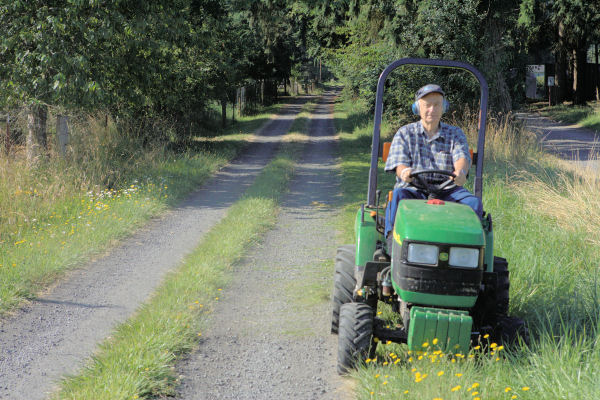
{"x": 171, "y": 58}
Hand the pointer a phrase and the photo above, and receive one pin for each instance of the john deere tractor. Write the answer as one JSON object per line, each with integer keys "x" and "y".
{"x": 438, "y": 270}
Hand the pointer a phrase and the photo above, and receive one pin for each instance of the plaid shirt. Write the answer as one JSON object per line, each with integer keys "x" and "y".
{"x": 411, "y": 147}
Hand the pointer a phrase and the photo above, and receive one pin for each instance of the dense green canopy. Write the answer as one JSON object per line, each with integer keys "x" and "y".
{"x": 168, "y": 58}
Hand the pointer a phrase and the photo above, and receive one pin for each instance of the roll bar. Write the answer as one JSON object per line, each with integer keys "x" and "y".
{"x": 483, "y": 103}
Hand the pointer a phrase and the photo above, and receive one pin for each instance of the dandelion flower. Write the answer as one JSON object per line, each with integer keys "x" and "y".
{"x": 426, "y": 344}
{"x": 458, "y": 375}
{"x": 525, "y": 388}
{"x": 507, "y": 389}
{"x": 514, "y": 396}
{"x": 440, "y": 373}
{"x": 487, "y": 335}
{"x": 455, "y": 388}
{"x": 474, "y": 393}
{"x": 435, "y": 341}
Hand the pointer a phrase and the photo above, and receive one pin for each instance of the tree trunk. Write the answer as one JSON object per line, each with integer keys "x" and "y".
{"x": 223, "y": 112}
{"x": 579, "y": 64}
{"x": 36, "y": 135}
{"x": 494, "y": 53}
{"x": 233, "y": 105}
{"x": 597, "y": 73}
{"x": 562, "y": 64}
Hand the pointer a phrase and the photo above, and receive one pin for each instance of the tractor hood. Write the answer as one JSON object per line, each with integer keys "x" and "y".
{"x": 449, "y": 222}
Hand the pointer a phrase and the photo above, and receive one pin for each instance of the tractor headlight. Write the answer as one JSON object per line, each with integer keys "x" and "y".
{"x": 422, "y": 254}
{"x": 464, "y": 257}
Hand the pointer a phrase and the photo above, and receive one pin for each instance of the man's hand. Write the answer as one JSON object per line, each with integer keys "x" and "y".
{"x": 461, "y": 177}
{"x": 405, "y": 174}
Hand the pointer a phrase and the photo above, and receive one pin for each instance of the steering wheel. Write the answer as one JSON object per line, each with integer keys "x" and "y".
{"x": 433, "y": 189}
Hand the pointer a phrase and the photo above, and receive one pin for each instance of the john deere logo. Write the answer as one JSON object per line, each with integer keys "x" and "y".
{"x": 443, "y": 256}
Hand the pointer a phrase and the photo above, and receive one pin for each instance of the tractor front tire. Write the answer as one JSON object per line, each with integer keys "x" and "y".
{"x": 355, "y": 335}
{"x": 344, "y": 282}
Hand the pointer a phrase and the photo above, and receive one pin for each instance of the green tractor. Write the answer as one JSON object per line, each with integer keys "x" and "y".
{"x": 439, "y": 272}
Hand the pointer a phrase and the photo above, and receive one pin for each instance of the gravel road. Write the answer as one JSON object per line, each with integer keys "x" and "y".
{"x": 567, "y": 141}
{"x": 55, "y": 333}
{"x": 264, "y": 343}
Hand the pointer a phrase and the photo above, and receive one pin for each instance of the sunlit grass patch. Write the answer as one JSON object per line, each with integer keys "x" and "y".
{"x": 587, "y": 116}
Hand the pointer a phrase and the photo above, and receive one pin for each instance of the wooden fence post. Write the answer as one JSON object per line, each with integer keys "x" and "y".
{"x": 7, "y": 141}
{"x": 62, "y": 131}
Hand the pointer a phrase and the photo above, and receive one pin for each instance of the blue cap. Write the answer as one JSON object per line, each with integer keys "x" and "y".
{"x": 430, "y": 88}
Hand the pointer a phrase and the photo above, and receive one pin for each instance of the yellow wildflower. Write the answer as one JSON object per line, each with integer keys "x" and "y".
{"x": 455, "y": 388}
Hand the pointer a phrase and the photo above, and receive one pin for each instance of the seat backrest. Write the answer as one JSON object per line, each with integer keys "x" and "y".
{"x": 386, "y": 151}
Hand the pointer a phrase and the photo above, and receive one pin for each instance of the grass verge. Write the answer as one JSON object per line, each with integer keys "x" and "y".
{"x": 138, "y": 360}
{"x": 586, "y": 116}
{"x": 546, "y": 225}
{"x": 58, "y": 213}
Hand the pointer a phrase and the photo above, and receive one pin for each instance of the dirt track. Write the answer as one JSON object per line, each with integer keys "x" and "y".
{"x": 55, "y": 333}
{"x": 264, "y": 342}
{"x": 567, "y": 141}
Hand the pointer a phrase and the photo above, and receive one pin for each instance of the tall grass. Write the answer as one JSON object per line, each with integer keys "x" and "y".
{"x": 545, "y": 224}
{"x": 55, "y": 213}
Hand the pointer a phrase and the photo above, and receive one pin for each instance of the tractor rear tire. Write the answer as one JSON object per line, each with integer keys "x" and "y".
{"x": 510, "y": 330}
{"x": 344, "y": 282}
{"x": 355, "y": 335}
{"x": 503, "y": 286}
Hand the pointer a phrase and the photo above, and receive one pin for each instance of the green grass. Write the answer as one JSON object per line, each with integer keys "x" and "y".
{"x": 586, "y": 116}
{"x": 554, "y": 280}
{"x": 57, "y": 214}
{"x": 139, "y": 358}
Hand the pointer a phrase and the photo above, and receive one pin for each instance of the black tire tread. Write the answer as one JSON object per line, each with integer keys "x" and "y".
{"x": 355, "y": 335}
{"x": 344, "y": 282}
{"x": 503, "y": 287}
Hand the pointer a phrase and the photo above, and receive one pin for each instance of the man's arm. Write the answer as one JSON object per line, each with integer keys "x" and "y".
{"x": 403, "y": 172}
{"x": 461, "y": 168}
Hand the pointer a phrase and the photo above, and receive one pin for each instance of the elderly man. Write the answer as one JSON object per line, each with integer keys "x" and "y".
{"x": 429, "y": 144}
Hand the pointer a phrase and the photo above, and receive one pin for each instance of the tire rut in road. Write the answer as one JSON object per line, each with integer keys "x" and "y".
{"x": 263, "y": 342}
{"x": 54, "y": 334}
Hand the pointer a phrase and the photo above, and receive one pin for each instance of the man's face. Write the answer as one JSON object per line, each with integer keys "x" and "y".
{"x": 431, "y": 108}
